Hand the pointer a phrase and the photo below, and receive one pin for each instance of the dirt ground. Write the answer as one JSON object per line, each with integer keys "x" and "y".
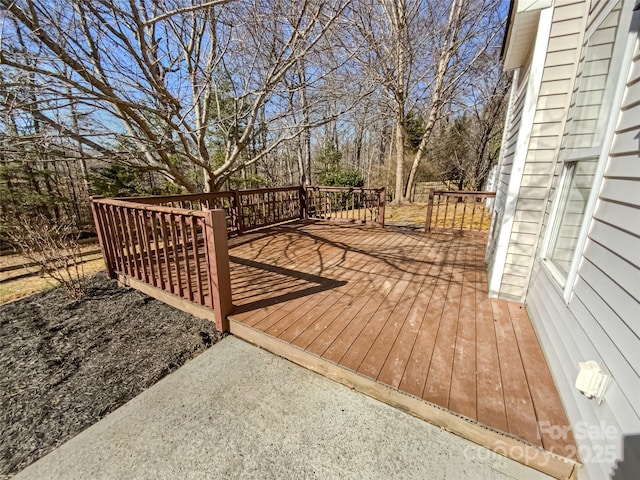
{"x": 66, "y": 365}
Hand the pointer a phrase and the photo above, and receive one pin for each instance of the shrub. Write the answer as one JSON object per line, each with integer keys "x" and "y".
{"x": 53, "y": 247}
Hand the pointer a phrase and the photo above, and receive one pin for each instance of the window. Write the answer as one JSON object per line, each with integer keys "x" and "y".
{"x": 574, "y": 196}
{"x": 585, "y": 136}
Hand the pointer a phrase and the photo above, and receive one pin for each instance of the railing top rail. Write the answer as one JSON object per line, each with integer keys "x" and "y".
{"x": 176, "y": 198}
{"x": 151, "y": 208}
{"x": 343, "y": 189}
{"x": 230, "y": 193}
{"x": 196, "y": 196}
{"x": 268, "y": 190}
{"x": 460, "y": 193}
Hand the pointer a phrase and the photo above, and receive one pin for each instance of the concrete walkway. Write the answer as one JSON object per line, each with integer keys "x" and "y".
{"x": 239, "y": 412}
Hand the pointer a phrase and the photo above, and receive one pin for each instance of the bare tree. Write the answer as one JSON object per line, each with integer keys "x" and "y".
{"x": 387, "y": 28}
{"x": 204, "y": 93}
{"x": 184, "y": 87}
{"x": 465, "y": 149}
{"x": 471, "y": 28}
{"x": 421, "y": 55}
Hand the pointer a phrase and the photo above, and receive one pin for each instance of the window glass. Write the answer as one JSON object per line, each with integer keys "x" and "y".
{"x": 573, "y": 203}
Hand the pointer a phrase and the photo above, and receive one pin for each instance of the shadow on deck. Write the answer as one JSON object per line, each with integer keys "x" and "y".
{"x": 406, "y": 318}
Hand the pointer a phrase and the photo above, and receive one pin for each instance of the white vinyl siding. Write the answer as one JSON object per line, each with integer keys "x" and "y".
{"x": 559, "y": 70}
{"x": 566, "y": 341}
{"x": 601, "y": 319}
{"x": 590, "y": 109}
{"x": 505, "y": 165}
{"x": 588, "y": 119}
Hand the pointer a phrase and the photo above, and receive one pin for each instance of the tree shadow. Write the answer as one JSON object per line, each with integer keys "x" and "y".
{"x": 318, "y": 284}
{"x": 401, "y": 260}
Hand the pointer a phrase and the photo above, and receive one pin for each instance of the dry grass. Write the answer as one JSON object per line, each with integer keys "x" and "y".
{"x": 17, "y": 259}
{"x": 409, "y": 213}
{"x": 457, "y": 216}
{"x": 461, "y": 216}
{"x": 21, "y": 287}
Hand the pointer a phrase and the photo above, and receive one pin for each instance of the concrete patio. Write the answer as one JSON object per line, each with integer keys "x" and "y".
{"x": 237, "y": 411}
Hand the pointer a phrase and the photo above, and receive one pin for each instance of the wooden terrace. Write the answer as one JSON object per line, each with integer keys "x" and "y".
{"x": 398, "y": 314}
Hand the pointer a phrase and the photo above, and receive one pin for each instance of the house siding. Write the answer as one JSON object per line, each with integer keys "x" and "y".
{"x": 554, "y": 96}
{"x": 600, "y": 321}
{"x": 505, "y": 165}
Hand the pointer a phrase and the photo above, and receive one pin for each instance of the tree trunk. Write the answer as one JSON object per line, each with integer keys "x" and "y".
{"x": 398, "y": 17}
{"x": 438, "y": 100}
{"x": 400, "y": 138}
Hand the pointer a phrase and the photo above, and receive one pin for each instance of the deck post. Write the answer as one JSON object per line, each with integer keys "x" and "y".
{"x": 108, "y": 261}
{"x": 303, "y": 203}
{"x": 427, "y": 225}
{"x": 382, "y": 199}
{"x": 217, "y": 252}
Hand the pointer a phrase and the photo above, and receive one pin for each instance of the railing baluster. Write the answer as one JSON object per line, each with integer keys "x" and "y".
{"x": 103, "y": 237}
{"x": 156, "y": 248}
{"x": 108, "y": 231}
{"x": 165, "y": 249}
{"x": 117, "y": 234}
{"x": 437, "y": 202}
{"x": 176, "y": 253}
{"x": 126, "y": 248}
{"x": 196, "y": 258}
{"x": 464, "y": 213}
{"x": 483, "y": 206}
{"x": 446, "y": 208}
{"x": 185, "y": 251}
{"x": 135, "y": 269}
{"x": 147, "y": 247}
{"x": 140, "y": 236}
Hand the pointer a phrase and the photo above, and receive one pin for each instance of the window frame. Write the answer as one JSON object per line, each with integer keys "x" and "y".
{"x": 624, "y": 46}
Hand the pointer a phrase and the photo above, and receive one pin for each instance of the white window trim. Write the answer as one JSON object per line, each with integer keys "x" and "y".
{"x": 629, "y": 38}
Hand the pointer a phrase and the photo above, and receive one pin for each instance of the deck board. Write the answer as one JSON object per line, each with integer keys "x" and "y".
{"x": 546, "y": 401}
{"x": 378, "y": 337}
{"x": 490, "y": 394}
{"x": 407, "y": 310}
{"x": 462, "y": 393}
{"x": 521, "y": 416}
{"x": 393, "y": 307}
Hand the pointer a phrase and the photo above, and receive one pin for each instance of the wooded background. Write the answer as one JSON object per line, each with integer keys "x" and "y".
{"x": 136, "y": 97}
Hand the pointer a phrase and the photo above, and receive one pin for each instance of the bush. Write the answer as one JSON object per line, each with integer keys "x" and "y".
{"x": 343, "y": 178}
{"x": 333, "y": 174}
{"x": 53, "y": 247}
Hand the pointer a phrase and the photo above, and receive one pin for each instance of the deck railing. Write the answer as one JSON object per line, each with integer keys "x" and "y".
{"x": 458, "y": 212}
{"x": 227, "y": 201}
{"x": 177, "y": 251}
{"x": 356, "y": 205}
{"x": 269, "y": 206}
{"x": 175, "y": 247}
{"x": 248, "y": 210}
{"x": 245, "y": 210}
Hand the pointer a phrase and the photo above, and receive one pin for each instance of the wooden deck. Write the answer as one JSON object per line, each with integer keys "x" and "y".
{"x": 404, "y": 317}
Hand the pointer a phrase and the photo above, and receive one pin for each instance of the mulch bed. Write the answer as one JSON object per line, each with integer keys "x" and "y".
{"x": 65, "y": 365}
